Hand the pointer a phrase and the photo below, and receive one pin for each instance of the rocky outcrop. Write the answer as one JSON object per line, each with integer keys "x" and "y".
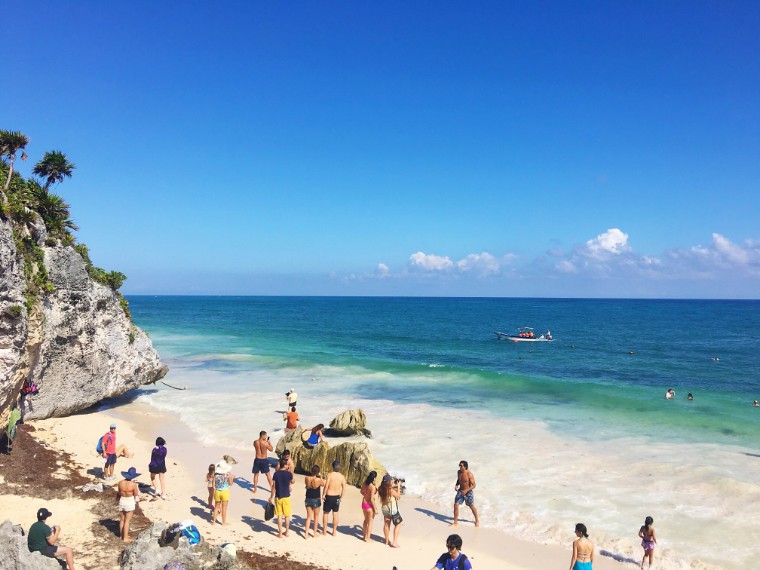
{"x": 349, "y": 423}
{"x": 13, "y": 321}
{"x": 14, "y": 552}
{"x": 77, "y": 343}
{"x": 355, "y": 458}
{"x": 147, "y": 553}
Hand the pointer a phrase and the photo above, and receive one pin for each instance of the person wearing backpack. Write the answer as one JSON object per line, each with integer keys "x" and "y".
{"x": 454, "y": 559}
{"x": 108, "y": 451}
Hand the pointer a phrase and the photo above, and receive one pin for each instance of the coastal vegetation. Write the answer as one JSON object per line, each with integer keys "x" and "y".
{"x": 28, "y": 203}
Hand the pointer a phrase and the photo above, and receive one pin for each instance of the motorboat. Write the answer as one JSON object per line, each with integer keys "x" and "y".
{"x": 525, "y": 334}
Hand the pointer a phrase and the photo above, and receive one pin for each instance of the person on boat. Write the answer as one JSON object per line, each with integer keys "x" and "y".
{"x": 548, "y": 334}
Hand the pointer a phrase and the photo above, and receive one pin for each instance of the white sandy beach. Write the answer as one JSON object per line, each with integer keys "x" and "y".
{"x": 422, "y": 537}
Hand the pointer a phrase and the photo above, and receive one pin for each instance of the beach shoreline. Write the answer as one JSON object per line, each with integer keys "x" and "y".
{"x": 423, "y": 532}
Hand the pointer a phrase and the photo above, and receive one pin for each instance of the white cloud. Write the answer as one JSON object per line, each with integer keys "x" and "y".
{"x": 430, "y": 262}
{"x": 566, "y": 266}
{"x": 383, "y": 270}
{"x": 483, "y": 263}
{"x": 721, "y": 255}
{"x": 611, "y": 242}
{"x": 729, "y": 251}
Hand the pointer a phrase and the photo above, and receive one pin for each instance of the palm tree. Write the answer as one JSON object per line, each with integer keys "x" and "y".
{"x": 54, "y": 167}
{"x": 10, "y": 143}
{"x": 54, "y": 210}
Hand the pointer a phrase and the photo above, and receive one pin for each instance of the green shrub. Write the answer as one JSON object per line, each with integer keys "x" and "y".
{"x": 14, "y": 311}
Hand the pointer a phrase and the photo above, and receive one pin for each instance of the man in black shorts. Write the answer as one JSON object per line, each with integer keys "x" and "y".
{"x": 331, "y": 495}
{"x": 43, "y": 538}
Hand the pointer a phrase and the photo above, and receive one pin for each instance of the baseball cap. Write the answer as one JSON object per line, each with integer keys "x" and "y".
{"x": 43, "y": 513}
{"x": 335, "y": 464}
{"x": 113, "y": 426}
{"x": 387, "y": 477}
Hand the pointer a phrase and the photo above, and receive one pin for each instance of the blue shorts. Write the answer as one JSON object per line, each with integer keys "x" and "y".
{"x": 260, "y": 466}
{"x": 467, "y": 498}
{"x": 110, "y": 459}
{"x": 313, "y": 503}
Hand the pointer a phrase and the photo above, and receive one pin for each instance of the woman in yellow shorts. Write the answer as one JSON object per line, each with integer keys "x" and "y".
{"x": 222, "y": 480}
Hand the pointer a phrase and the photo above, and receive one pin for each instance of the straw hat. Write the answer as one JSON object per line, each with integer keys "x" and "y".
{"x": 223, "y": 467}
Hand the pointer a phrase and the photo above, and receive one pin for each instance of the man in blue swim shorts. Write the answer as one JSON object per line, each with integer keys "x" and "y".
{"x": 261, "y": 462}
{"x": 464, "y": 487}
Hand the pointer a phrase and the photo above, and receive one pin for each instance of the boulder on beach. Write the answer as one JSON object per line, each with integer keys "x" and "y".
{"x": 147, "y": 553}
{"x": 348, "y": 423}
{"x": 355, "y": 458}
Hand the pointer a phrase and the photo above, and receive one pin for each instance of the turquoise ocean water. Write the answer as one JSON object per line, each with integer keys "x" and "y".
{"x": 556, "y": 433}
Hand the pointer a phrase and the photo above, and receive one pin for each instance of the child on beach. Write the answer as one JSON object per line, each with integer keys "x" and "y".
{"x": 210, "y": 485}
{"x": 648, "y": 540}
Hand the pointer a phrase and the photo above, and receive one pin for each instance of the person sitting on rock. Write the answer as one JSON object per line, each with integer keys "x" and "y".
{"x": 43, "y": 538}
{"x": 315, "y": 437}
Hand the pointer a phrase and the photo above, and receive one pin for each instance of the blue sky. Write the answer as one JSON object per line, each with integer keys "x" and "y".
{"x": 561, "y": 149}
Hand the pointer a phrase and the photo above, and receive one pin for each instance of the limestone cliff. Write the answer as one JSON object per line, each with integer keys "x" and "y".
{"x": 76, "y": 342}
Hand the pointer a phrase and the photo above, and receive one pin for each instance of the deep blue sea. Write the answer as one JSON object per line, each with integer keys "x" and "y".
{"x": 432, "y": 376}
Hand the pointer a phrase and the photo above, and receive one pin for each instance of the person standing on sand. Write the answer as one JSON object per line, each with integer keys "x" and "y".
{"x": 210, "y": 485}
{"x": 390, "y": 493}
{"x": 43, "y": 538}
{"x": 292, "y": 397}
{"x": 283, "y": 483}
{"x": 464, "y": 487}
{"x": 369, "y": 492}
{"x": 335, "y": 485}
{"x": 291, "y": 419}
{"x": 157, "y": 465}
{"x": 313, "y": 502}
{"x": 648, "y": 540}
{"x": 108, "y": 444}
{"x": 583, "y": 550}
{"x": 290, "y": 466}
{"x": 127, "y": 497}
{"x": 261, "y": 463}
{"x": 223, "y": 479}
{"x": 454, "y": 558}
